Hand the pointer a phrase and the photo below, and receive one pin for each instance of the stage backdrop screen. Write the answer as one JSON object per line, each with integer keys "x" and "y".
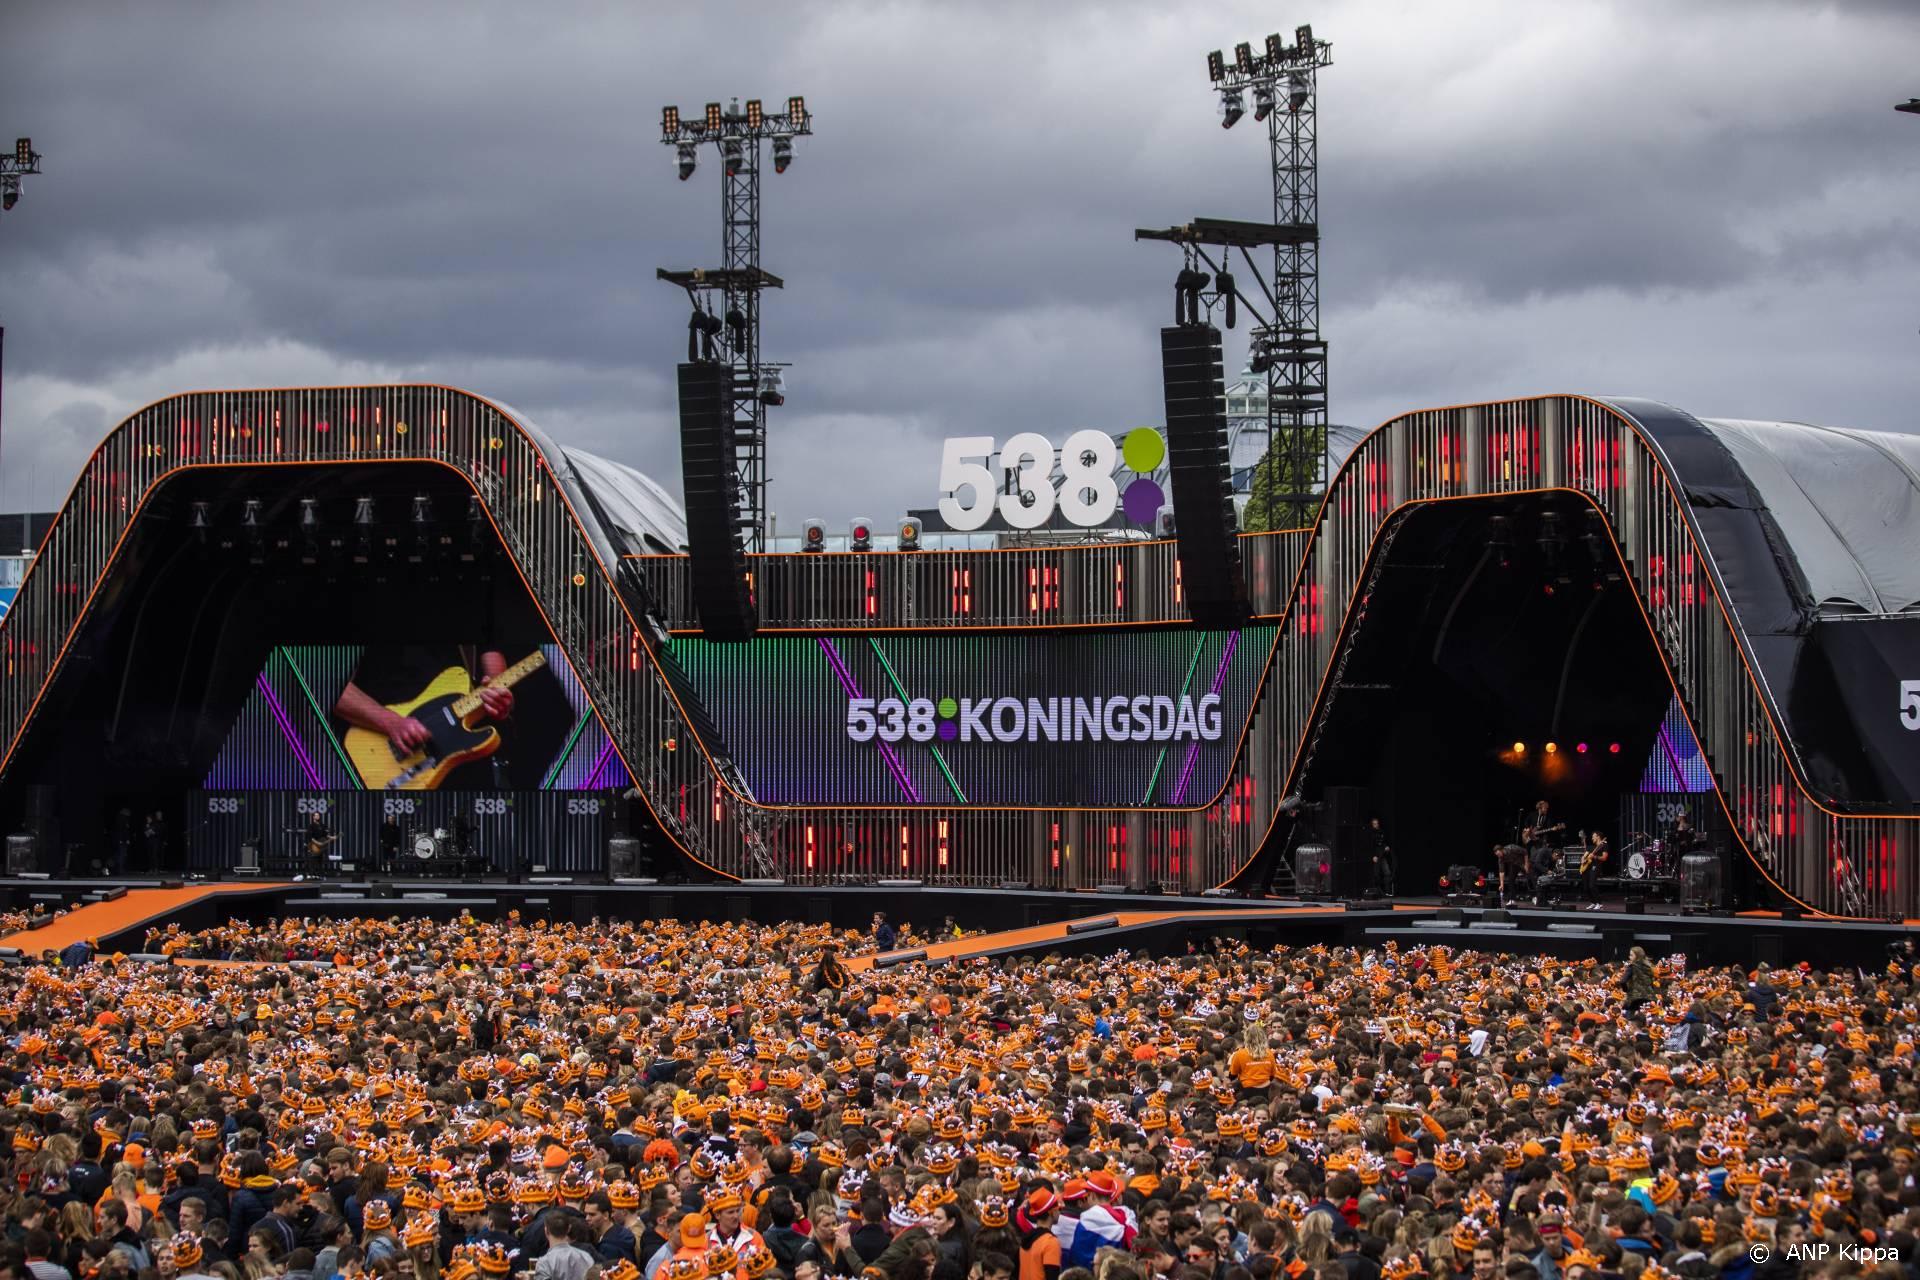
{"x": 1148, "y": 719}
{"x": 323, "y": 718}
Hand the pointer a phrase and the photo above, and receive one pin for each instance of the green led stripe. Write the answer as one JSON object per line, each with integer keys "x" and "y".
{"x": 326, "y": 725}
{"x": 565, "y": 752}
{"x": 1186, "y": 684}
{"x": 900, "y": 689}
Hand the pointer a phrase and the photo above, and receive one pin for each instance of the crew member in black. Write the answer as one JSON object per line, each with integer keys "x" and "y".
{"x": 1684, "y": 839}
{"x": 390, "y": 841}
{"x": 1382, "y": 854}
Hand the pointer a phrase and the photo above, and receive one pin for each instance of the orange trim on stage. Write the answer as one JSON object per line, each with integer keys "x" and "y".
{"x": 980, "y": 944}
{"x": 137, "y": 907}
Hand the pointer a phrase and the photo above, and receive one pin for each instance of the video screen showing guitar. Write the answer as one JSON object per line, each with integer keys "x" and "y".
{"x": 451, "y": 717}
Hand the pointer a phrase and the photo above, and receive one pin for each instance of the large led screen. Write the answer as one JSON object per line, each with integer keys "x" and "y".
{"x": 1090, "y": 720}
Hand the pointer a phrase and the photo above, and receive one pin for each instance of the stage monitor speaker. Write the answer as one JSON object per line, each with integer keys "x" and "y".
{"x": 716, "y": 557}
{"x": 21, "y": 857}
{"x": 1313, "y": 870}
{"x": 623, "y": 858}
{"x": 1346, "y": 819}
{"x": 1205, "y": 528}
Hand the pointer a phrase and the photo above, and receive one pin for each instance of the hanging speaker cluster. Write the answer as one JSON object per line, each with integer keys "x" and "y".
{"x": 717, "y": 559}
{"x": 1213, "y": 584}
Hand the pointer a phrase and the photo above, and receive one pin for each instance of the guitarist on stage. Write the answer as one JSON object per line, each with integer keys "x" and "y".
{"x": 1538, "y": 839}
{"x": 319, "y": 837}
{"x": 1592, "y": 863}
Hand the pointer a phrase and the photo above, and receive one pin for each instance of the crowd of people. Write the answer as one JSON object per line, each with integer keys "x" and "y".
{"x": 674, "y": 1101}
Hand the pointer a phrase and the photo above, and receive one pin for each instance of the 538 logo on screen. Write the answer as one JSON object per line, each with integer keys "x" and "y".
{"x": 1143, "y": 717}
{"x": 1088, "y": 492}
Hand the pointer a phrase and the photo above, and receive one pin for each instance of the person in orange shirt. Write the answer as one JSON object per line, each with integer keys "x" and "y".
{"x": 1039, "y": 1247}
{"x": 1251, "y": 1065}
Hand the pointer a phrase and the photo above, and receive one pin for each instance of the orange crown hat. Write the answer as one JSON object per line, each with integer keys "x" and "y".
{"x": 186, "y": 1252}
{"x": 692, "y": 1267}
{"x": 993, "y": 1212}
{"x": 377, "y": 1216}
{"x": 493, "y": 1259}
{"x": 754, "y": 1256}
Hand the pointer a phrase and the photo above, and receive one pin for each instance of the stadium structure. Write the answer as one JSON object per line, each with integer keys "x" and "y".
{"x": 1482, "y": 581}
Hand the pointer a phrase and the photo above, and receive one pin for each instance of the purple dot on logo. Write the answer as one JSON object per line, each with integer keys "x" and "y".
{"x": 948, "y": 731}
{"x": 1142, "y": 500}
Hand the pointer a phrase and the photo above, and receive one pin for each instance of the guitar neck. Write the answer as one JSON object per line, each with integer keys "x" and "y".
{"x": 505, "y": 680}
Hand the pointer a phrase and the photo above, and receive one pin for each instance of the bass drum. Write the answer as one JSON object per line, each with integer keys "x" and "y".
{"x": 425, "y": 846}
{"x": 1636, "y": 867}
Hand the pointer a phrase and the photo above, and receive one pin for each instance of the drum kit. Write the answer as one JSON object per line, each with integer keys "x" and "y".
{"x": 1649, "y": 858}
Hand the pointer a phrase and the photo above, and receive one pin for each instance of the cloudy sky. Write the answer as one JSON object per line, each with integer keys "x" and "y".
{"x": 1710, "y": 202}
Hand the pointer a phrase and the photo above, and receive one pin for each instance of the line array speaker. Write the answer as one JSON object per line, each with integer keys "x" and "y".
{"x": 717, "y": 560}
{"x": 1205, "y": 528}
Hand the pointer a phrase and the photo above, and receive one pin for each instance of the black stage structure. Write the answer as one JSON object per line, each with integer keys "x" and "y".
{"x": 1558, "y": 569}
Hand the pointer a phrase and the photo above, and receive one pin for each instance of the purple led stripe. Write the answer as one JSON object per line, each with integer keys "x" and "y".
{"x": 1193, "y": 752}
{"x": 599, "y": 764}
{"x": 852, "y": 687}
{"x": 286, "y": 727}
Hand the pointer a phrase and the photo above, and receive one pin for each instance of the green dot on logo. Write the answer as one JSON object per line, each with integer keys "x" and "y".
{"x": 1143, "y": 449}
{"x": 947, "y": 708}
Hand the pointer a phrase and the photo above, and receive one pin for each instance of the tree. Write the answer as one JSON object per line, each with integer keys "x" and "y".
{"x": 1286, "y": 484}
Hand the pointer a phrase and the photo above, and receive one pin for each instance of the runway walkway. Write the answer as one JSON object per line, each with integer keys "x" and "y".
{"x": 133, "y": 909}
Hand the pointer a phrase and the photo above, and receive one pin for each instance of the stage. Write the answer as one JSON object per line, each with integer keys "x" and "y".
{"x": 1017, "y": 921}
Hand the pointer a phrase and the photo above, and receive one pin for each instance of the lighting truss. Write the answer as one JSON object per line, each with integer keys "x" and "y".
{"x": 22, "y": 161}
{"x": 735, "y": 133}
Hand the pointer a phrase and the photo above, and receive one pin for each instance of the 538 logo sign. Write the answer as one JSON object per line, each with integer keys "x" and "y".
{"x": 1088, "y": 493}
{"x": 1145, "y": 717}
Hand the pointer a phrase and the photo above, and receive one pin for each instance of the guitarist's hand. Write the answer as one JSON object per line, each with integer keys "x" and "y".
{"x": 408, "y": 735}
{"x": 498, "y": 702}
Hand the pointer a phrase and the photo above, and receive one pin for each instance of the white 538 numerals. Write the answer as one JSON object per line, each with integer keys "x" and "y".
{"x": 1087, "y": 495}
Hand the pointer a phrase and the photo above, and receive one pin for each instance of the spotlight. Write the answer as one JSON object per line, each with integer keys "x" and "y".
{"x": 1262, "y": 101}
{"x": 1613, "y": 748}
{"x": 309, "y": 530}
{"x": 910, "y": 533}
{"x": 736, "y": 156}
{"x": 862, "y": 534}
{"x": 422, "y": 512}
{"x": 10, "y": 198}
{"x": 1216, "y": 66}
{"x": 713, "y": 117}
{"x": 796, "y": 111}
{"x": 1232, "y": 106}
{"x": 200, "y": 521}
{"x": 1276, "y": 51}
{"x": 1303, "y": 36}
{"x": 1553, "y": 748}
{"x": 363, "y": 513}
{"x": 813, "y": 534}
{"x": 23, "y": 152}
{"x": 1582, "y": 748}
{"x": 250, "y": 515}
{"x": 773, "y": 387}
{"x": 362, "y": 529}
{"x": 669, "y": 121}
{"x": 250, "y": 522}
{"x": 1243, "y": 57}
{"x": 687, "y": 159}
{"x": 782, "y": 152}
{"x": 1297, "y": 92}
{"x": 1519, "y": 748}
{"x": 754, "y": 116}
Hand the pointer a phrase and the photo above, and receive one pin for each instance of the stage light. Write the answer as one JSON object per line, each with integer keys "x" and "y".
{"x": 862, "y": 534}
{"x": 736, "y": 156}
{"x": 363, "y": 513}
{"x": 10, "y": 199}
{"x": 669, "y": 121}
{"x": 813, "y": 534}
{"x": 309, "y": 515}
{"x": 1553, "y": 748}
{"x": 1519, "y": 748}
{"x": 1243, "y": 57}
{"x": 686, "y": 160}
{"x": 1216, "y": 66}
{"x": 773, "y": 387}
{"x": 713, "y": 117}
{"x": 201, "y": 521}
{"x": 782, "y": 152}
{"x": 23, "y": 152}
{"x": 1262, "y": 101}
{"x": 753, "y": 113}
{"x": 796, "y": 111}
{"x": 1303, "y": 36}
{"x": 1276, "y": 51}
{"x": 1232, "y": 106}
{"x": 910, "y": 533}
{"x": 250, "y": 514}
{"x": 1297, "y": 91}
{"x": 1582, "y": 748}
{"x": 1613, "y": 748}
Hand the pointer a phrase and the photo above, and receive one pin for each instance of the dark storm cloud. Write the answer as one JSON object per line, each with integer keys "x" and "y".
{"x": 474, "y": 193}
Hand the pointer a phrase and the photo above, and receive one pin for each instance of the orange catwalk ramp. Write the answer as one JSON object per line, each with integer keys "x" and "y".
{"x": 986, "y": 944}
{"x": 136, "y": 908}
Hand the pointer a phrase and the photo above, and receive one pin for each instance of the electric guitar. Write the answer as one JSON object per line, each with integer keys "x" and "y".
{"x": 1595, "y": 857}
{"x": 319, "y": 845}
{"x": 1533, "y": 834}
{"x": 450, "y": 708}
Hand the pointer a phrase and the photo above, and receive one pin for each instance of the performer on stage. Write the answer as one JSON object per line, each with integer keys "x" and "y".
{"x": 1382, "y": 854}
{"x": 1538, "y": 839}
{"x": 1683, "y": 838}
{"x": 390, "y": 842}
{"x": 319, "y": 838}
{"x": 1594, "y": 861}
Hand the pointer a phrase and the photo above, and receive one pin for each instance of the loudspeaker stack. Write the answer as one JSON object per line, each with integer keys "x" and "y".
{"x": 1214, "y": 586}
{"x": 717, "y": 559}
